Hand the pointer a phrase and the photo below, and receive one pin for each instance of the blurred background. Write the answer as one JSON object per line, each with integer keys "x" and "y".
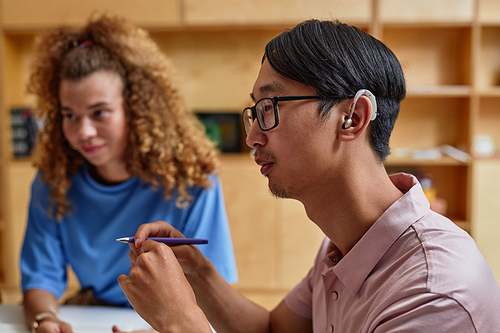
{"x": 447, "y": 134}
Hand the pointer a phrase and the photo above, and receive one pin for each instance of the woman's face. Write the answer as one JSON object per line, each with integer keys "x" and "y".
{"x": 94, "y": 120}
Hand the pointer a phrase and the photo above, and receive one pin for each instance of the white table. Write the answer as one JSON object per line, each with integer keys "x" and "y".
{"x": 84, "y": 319}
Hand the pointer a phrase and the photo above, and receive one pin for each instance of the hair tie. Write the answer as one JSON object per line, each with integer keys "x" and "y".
{"x": 85, "y": 43}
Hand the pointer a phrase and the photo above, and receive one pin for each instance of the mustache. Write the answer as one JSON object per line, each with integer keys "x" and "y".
{"x": 265, "y": 155}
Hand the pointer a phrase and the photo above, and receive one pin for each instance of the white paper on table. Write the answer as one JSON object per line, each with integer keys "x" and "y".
{"x": 13, "y": 328}
{"x": 99, "y": 328}
{"x": 77, "y": 328}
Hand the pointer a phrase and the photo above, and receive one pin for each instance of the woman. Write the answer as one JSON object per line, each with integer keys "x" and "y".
{"x": 118, "y": 148}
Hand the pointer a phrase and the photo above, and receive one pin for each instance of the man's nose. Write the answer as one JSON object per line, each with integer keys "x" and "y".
{"x": 255, "y": 136}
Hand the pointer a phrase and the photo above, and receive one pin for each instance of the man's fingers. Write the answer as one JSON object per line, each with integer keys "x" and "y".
{"x": 158, "y": 229}
{"x": 121, "y": 280}
{"x": 151, "y": 245}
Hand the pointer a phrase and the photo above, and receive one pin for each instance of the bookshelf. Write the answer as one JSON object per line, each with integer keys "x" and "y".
{"x": 450, "y": 52}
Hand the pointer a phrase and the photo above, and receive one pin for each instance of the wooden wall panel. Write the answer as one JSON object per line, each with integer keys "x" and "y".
{"x": 488, "y": 71}
{"x": 421, "y": 120}
{"x": 486, "y": 211}
{"x": 217, "y": 69}
{"x": 301, "y": 241}
{"x": 488, "y": 11}
{"x": 274, "y": 12}
{"x": 489, "y": 121}
{"x": 251, "y": 213}
{"x": 431, "y": 56}
{"x": 36, "y": 14}
{"x": 395, "y": 11}
{"x": 19, "y": 180}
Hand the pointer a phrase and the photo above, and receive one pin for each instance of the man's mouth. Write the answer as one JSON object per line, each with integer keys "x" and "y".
{"x": 264, "y": 164}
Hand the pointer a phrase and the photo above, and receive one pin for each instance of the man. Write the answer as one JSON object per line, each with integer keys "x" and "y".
{"x": 327, "y": 97}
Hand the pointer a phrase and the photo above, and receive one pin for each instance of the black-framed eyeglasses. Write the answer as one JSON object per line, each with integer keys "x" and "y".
{"x": 267, "y": 113}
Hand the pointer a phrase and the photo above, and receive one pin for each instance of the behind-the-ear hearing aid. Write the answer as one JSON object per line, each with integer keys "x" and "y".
{"x": 348, "y": 121}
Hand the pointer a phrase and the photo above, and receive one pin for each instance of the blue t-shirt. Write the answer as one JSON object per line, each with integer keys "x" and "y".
{"x": 100, "y": 214}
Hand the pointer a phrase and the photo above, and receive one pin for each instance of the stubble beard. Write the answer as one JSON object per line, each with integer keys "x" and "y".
{"x": 275, "y": 190}
{"x": 278, "y": 191}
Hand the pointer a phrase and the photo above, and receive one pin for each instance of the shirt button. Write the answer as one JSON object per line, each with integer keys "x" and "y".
{"x": 335, "y": 295}
{"x": 331, "y": 329}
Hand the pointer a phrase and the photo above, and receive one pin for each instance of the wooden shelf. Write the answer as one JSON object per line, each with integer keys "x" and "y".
{"x": 439, "y": 91}
{"x": 489, "y": 92}
{"x": 450, "y": 55}
{"x": 488, "y": 64}
{"x": 434, "y": 59}
{"x": 35, "y": 15}
{"x": 427, "y": 25}
{"x": 408, "y": 161}
{"x": 462, "y": 224}
{"x": 426, "y": 12}
{"x": 488, "y": 12}
{"x": 285, "y": 12}
{"x": 21, "y": 161}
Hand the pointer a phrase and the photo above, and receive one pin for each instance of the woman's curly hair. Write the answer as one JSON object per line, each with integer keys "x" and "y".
{"x": 166, "y": 143}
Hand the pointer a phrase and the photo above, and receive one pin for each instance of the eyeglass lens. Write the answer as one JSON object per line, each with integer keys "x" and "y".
{"x": 247, "y": 119}
{"x": 265, "y": 113}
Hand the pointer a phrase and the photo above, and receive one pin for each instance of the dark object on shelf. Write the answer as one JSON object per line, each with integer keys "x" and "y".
{"x": 24, "y": 131}
{"x": 224, "y": 129}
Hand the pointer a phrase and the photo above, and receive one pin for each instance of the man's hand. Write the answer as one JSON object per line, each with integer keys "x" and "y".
{"x": 156, "y": 286}
{"x": 189, "y": 257}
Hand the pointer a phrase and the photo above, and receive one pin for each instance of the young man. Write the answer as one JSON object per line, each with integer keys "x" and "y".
{"x": 327, "y": 97}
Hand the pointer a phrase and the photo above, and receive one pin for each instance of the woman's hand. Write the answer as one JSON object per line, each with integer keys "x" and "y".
{"x": 53, "y": 325}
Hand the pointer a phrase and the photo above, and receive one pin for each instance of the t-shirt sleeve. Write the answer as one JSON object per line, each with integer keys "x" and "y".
{"x": 300, "y": 299}
{"x": 208, "y": 219}
{"x": 426, "y": 312}
{"x": 42, "y": 260}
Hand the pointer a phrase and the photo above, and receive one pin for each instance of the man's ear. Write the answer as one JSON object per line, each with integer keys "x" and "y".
{"x": 356, "y": 122}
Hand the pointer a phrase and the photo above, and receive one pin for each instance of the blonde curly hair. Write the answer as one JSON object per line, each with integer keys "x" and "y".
{"x": 166, "y": 143}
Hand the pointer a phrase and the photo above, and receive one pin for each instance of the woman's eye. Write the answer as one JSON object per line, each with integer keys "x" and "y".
{"x": 99, "y": 113}
{"x": 69, "y": 116}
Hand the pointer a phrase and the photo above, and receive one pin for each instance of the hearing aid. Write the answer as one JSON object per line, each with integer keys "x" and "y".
{"x": 348, "y": 121}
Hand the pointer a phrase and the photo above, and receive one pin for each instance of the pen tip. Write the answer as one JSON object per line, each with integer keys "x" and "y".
{"x": 122, "y": 240}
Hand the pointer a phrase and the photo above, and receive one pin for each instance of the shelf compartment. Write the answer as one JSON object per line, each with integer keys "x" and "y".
{"x": 488, "y": 66}
{"x": 462, "y": 224}
{"x": 438, "y": 91}
{"x": 450, "y": 182}
{"x": 488, "y": 11}
{"x": 34, "y": 15}
{"x": 409, "y": 161}
{"x": 222, "y": 12}
{"x": 437, "y": 56}
{"x": 426, "y": 11}
{"x": 489, "y": 92}
{"x": 214, "y": 56}
{"x": 488, "y": 122}
{"x": 430, "y": 122}
{"x": 19, "y": 55}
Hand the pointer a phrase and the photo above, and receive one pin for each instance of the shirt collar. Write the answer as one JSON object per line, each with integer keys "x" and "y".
{"x": 368, "y": 251}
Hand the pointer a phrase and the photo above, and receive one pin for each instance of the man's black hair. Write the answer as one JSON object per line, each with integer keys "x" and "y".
{"x": 337, "y": 59}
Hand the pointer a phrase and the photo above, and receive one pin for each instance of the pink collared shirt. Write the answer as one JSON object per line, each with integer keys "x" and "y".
{"x": 412, "y": 271}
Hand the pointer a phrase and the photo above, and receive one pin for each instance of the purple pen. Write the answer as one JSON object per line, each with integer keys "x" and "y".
{"x": 167, "y": 240}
